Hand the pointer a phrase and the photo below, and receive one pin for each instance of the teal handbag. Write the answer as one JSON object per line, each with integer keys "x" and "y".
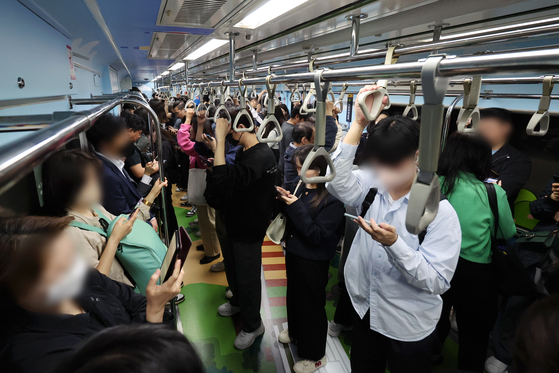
{"x": 140, "y": 253}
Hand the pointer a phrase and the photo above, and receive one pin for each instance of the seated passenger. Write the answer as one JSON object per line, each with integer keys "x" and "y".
{"x": 313, "y": 220}
{"x": 509, "y": 167}
{"x": 134, "y": 349}
{"x": 394, "y": 279}
{"x": 51, "y": 302}
{"x": 546, "y": 207}
{"x": 72, "y": 186}
{"x": 303, "y": 134}
{"x": 463, "y": 166}
{"x": 133, "y": 163}
{"x": 110, "y": 139}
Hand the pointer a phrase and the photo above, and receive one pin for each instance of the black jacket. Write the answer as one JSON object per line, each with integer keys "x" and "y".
{"x": 32, "y": 342}
{"x": 544, "y": 209}
{"x": 244, "y": 193}
{"x": 513, "y": 169}
{"x": 313, "y": 233}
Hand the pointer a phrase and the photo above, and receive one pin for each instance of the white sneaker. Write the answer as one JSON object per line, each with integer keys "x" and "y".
{"x": 218, "y": 267}
{"x": 309, "y": 366}
{"x": 178, "y": 190}
{"x": 494, "y": 365}
{"x": 227, "y": 310}
{"x": 283, "y": 337}
{"x": 228, "y": 294}
{"x": 244, "y": 340}
{"x": 336, "y": 329}
{"x": 184, "y": 198}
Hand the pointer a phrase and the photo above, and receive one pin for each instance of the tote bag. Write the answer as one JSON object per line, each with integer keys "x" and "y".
{"x": 196, "y": 186}
{"x": 276, "y": 229}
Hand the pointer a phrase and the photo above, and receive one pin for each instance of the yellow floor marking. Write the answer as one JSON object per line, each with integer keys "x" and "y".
{"x": 280, "y": 260}
{"x": 271, "y": 249}
{"x": 274, "y": 275}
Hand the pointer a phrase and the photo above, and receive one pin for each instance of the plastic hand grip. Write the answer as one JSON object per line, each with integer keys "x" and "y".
{"x": 423, "y": 204}
{"x": 469, "y": 113}
{"x": 241, "y": 113}
{"x": 208, "y": 111}
{"x": 541, "y": 117}
{"x": 378, "y": 96}
{"x": 269, "y": 118}
{"x": 315, "y": 153}
{"x": 220, "y": 110}
{"x": 201, "y": 107}
{"x": 190, "y": 102}
{"x": 414, "y": 112}
{"x": 305, "y": 110}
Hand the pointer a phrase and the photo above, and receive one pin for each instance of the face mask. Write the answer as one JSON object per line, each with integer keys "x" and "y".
{"x": 69, "y": 285}
{"x": 392, "y": 179}
{"x": 127, "y": 150}
{"x": 231, "y": 140}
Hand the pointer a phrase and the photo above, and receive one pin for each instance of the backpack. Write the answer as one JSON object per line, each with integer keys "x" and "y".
{"x": 140, "y": 253}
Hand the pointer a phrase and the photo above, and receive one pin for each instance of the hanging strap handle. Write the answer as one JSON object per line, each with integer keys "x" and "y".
{"x": 243, "y": 112}
{"x": 270, "y": 116}
{"x": 211, "y": 105}
{"x": 423, "y": 203}
{"x": 541, "y": 116}
{"x": 411, "y": 106}
{"x": 221, "y": 108}
{"x": 340, "y": 101}
{"x": 378, "y": 94}
{"x": 320, "y": 134}
{"x": 295, "y": 94}
{"x": 469, "y": 113}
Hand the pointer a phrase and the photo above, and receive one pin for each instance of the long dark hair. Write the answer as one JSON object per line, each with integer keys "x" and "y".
{"x": 159, "y": 107}
{"x": 320, "y": 164}
{"x": 270, "y": 126}
{"x": 464, "y": 153}
{"x": 63, "y": 177}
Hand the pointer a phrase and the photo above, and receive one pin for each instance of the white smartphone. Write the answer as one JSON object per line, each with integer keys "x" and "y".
{"x": 355, "y": 217}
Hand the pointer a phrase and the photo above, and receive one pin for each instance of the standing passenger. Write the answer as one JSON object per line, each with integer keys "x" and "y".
{"x": 394, "y": 281}
{"x": 509, "y": 167}
{"x": 313, "y": 220}
{"x": 287, "y": 130}
{"x": 247, "y": 200}
{"x": 463, "y": 166}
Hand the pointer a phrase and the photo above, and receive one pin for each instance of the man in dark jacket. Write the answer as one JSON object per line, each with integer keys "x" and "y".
{"x": 246, "y": 195}
{"x": 546, "y": 207}
{"x": 510, "y": 167}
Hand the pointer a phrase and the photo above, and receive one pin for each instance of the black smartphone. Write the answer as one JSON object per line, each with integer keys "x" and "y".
{"x": 206, "y": 160}
{"x": 136, "y": 208}
{"x": 556, "y": 178}
{"x": 209, "y": 137}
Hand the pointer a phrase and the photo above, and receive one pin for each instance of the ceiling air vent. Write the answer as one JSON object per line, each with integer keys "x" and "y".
{"x": 198, "y": 12}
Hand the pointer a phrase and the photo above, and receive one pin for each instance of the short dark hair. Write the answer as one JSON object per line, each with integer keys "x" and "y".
{"x": 23, "y": 241}
{"x": 392, "y": 139}
{"x": 134, "y": 349}
{"x": 144, "y": 114}
{"x": 105, "y": 129}
{"x": 234, "y": 111}
{"x": 135, "y": 89}
{"x": 500, "y": 114}
{"x": 302, "y": 130}
{"x": 158, "y": 107}
{"x": 135, "y": 123}
{"x": 63, "y": 177}
{"x": 296, "y": 111}
{"x": 128, "y": 106}
{"x": 537, "y": 340}
{"x": 464, "y": 153}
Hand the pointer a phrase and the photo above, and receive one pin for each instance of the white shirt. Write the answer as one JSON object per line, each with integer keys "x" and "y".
{"x": 119, "y": 163}
{"x": 400, "y": 284}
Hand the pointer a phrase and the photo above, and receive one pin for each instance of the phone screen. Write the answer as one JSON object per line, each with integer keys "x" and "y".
{"x": 556, "y": 178}
{"x": 137, "y": 207}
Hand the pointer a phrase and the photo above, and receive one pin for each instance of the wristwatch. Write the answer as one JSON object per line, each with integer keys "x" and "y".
{"x": 147, "y": 203}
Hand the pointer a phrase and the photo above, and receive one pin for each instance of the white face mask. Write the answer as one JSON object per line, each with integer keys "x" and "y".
{"x": 69, "y": 285}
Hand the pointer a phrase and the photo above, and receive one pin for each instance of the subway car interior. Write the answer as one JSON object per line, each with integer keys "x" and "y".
{"x": 283, "y": 186}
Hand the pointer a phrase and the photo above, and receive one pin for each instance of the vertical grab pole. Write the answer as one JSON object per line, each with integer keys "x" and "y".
{"x": 231, "y": 35}
{"x": 424, "y": 198}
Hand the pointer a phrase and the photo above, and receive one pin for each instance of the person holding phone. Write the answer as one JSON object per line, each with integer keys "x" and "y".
{"x": 52, "y": 302}
{"x": 546, "y": 207}
{"x": 72, "y": 187}
{"x": 314, "y": 217}
{"x": 394, "y": 281}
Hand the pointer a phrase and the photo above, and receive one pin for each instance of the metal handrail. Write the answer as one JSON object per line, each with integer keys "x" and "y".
{"x": 18, "y": 158}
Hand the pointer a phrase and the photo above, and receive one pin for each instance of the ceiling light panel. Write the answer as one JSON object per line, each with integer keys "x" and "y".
{"x": 206, "y": 48}
{"x": 267, "y": 12}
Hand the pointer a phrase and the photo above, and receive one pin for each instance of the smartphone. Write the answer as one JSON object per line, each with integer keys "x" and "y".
{"x": 355, "y": 217}
{"x": 206, "y": 160}
{"x": 556, "y": 178}
{"x": 280, "y": 192}
{"x": 209, "y": 137}
{"x": 136, "y": 208}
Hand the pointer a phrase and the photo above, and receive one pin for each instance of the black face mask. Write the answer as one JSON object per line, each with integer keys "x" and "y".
{"x": 231, "y": 140}
{"x": 127, "y": 150}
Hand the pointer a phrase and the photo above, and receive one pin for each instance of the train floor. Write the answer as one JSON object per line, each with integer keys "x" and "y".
{"x": 213, "y": 335}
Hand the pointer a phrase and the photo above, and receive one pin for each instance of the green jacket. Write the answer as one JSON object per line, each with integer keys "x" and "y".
{"x": 471, "y": 203}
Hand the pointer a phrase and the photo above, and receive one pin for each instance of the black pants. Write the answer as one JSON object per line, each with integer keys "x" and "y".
{"x": 344, "y": 309}
{"x": 243, "y": 267}
{"x": 306, "y": 298}
{"x": 371, "y": 351}
{"x": 474, "y": 297}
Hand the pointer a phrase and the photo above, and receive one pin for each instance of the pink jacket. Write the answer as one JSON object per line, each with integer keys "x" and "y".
{"x": 187, "y": 146}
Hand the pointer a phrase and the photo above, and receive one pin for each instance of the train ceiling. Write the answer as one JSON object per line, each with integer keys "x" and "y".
{"x": 151, "y": 35}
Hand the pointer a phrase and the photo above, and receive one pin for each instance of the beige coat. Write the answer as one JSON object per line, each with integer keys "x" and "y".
{"x": 92, "y": 244}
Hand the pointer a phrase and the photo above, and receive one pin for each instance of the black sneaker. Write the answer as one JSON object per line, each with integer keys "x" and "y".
{"x": 209, "y": 259}
{"x": 200, "y": 248}
{"x": 179, "y": 298}
{"x": 193, "y": 211}
{"x": 186, "y": 204}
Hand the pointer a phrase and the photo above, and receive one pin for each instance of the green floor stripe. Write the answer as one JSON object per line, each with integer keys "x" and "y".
{"x": 183, "y": 222}
{"x": 278, "y": 291}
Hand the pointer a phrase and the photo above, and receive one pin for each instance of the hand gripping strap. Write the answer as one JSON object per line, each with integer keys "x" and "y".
{"x": 469, "y": 113}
